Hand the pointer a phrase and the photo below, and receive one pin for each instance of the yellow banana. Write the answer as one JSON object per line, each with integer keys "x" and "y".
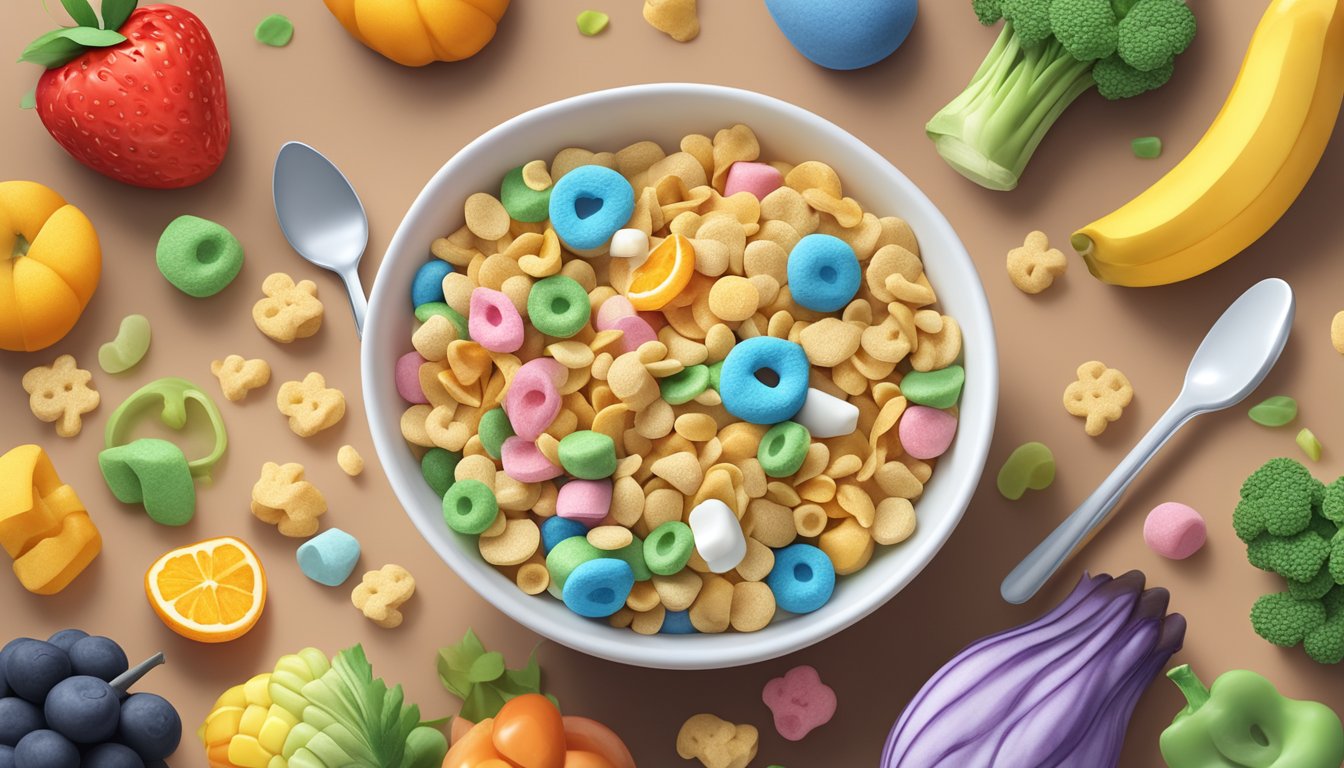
{"x": 1247, "y": 169}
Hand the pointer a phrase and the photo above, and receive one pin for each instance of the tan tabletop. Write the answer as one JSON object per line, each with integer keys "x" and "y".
{"x": 390, "y": 128}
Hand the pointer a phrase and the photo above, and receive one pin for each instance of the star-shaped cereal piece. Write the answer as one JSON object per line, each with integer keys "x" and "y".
{"x": 61, "y": 392}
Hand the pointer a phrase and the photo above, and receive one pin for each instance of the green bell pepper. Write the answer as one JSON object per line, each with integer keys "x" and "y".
{"x": 1242, "y": 721}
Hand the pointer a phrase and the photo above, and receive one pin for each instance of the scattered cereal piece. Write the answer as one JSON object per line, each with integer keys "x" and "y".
{"x": 936, "y": 389}
{"x": 275, "y": 30}
{"x": 675, "y": 18}
{"x": 718, "y": 536}
{"x": 592, "y": 22}
{"x": 799, "y": 702}
{"x": 290, "y": 311}
{"x": 1147, "y": 147}
{"x": 62, "y": 393}
{"x": 1275, "y": 411}
{"x": 199, "y": 257}
{"x": 1029, "y": 466}
{"x": 1099, "y": 395}
{"x": 717, "y": 743}
{"x": 1337, "y": 332}
{"x": 1174, "y": 530}
{"x": 926, "y": 433}
{"x": 1035, "y": 265}
{"x": 237, "y": 376}
{"x": 515, "y": 545}
{"x": 154, "y": 473}
{"x": 43, "y": 524}
{"x": 381, "y": 594}
{"x": 281, "y": 497}
{"x": 128, "y": 348}
{"x": 1306, "y": 440}
{"x": 329, "y": 557}
{"x": 349, "y": 460}
{"x": 310, "y": 404}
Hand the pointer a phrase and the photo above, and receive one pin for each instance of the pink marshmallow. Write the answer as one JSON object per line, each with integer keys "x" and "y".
{"x": 407, "y": 377}
{"x": 587, "y": 501}
{"x": 636, "y": 332}
{"x": 759, "y": 179}
{"x": 523, "y": 461}
{"x": 799, "y": 702}
{"x": 612, "y": 310}
{"x": 494, "y": 322}
{"x": 1174, "y": 530}
{"x": 926, "y": 432}
{"x": 656, "y": 320}
{"x": 533, "y": 399}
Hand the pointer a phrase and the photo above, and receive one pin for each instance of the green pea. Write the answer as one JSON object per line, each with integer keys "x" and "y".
{"x": 683, "y": 387}
{"x": 783, "y": 448}
{"x": 1030, "y": 465}
{"x": 494, "y": 429}
{"x": 588, "y": 455}
{"x": 669, "y": 548}
{"x": 1147, "y": 147}
{"x": 470, "y": 507}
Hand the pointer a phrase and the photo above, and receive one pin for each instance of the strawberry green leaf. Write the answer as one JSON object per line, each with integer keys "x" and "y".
{"x": 116, "y": 12}
{"x": 29, "y": 100}
{"x": 481, "y": 680}
{"x": 60, "y": 46}
{"x": 81, "y": 12}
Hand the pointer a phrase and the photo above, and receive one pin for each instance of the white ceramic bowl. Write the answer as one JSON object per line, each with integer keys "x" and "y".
{"x": 609, "y": 120}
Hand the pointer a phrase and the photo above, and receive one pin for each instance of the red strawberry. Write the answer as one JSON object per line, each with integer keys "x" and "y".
{"x": 149, "y": 110}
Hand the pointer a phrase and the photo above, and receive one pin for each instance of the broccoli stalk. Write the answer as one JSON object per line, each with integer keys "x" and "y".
{"x": 1049, "y": 53}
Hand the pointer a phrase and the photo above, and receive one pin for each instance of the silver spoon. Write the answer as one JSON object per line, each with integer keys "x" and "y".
{"x": 322, "y": 217}
{"x": 1233, "y": 359}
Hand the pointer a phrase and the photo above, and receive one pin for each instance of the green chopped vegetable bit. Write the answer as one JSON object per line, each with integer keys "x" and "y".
{"x": 1147, "y": 147}
{"x": 592, "y": 22}
{"x": 28, "y": 100}
{"x": 481, "y": 680}
{"x": 275, "y": 30}
{"x": 1029, "y": 466}
{"x": 1274, "y": 412}
{"x": 1309, "y": 444}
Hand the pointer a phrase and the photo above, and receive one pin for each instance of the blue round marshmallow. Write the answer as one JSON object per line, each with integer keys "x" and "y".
{"x": 677, "y": 623}
{"x": 329, "y": 557}
{"x": 802, "y": 579}
{"x": 749, "y": 398}
{"x": 589, "y": 204}
{"x": 598, "y": 588}
{"x": 845, "y": 35}
{"x": 824, "y": 273}
{"x": 556, "y": 529}
{"x": 427, "y": 287}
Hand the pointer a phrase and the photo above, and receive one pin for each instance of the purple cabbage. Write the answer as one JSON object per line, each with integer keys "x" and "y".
{"x": 1055, "y": 693}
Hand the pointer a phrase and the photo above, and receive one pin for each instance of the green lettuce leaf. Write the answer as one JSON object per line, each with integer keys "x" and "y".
{"x": 481, "y": 679}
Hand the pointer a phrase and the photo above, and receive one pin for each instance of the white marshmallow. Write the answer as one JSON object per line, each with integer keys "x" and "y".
{"x": 630, "y": 244}
{"x": 718, "y": 535}
{"x": 827, "y": 415}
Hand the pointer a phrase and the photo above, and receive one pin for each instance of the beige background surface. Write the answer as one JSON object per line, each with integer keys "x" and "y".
{"x": 389, "y": 128}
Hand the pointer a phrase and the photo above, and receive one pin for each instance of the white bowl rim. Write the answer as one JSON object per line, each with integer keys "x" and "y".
{"x": 698, "y": 651}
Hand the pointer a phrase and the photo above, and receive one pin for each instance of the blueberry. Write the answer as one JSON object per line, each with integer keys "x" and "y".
{"x": 4, "y": 653}
{"x": 111, "y": 755}
{"x": 34, "y": 667}
{"x": 150, "y": 726}
{"x": 46, "y": 749}
{"x": 6, "y": 757}
{"x": 83, "y": 709}
{"x": 98, "y": 657}
{"x": 66, "y": 638}
{"x": 18, "y": 718}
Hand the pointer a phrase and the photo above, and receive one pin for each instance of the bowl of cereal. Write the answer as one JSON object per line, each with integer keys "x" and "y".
{"x": 699, "y": 395}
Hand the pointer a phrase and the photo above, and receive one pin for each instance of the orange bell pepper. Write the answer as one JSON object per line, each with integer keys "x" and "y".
{"x": 529, "y": 732}
{"x": 43, "y": 524}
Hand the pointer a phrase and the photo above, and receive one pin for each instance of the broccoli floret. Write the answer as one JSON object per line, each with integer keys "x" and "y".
{"x": 1332, "y": 505}
{"x": 1336, "y": 566}
{"x": 1049, "y": 53}
{"x": 1275, "y": 498}
{"x": 1325, "y": 643}
{"x": 1285, "y": 620}
{"x": 1326, "y": 529}
{"x": 1298, "y": 557}
{"x": 1154, "y": 32}
{"x": 1318, "y": 587}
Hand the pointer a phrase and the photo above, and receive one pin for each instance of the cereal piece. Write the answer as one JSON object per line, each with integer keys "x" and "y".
{"x": 610, "y": 537}
{"x": 199, "y": 257}
{"x": 757, "y": 179}
{"x": 558, "y": 306}
{"x": 809, "y": 519}
{"x": 128, "y": 348}
{"x": 717, "y": 743}
{"x": 696, "y": 427}
{"x": 752, "y": 607}
{"x": 1029, "y": 466}
{"x": 469, "y": 507}
{"x": 1174, "y": 530}
{"x": 62, "y": 393}
{"x": 494, "y": 428}
{"x": 311, "y": 405}
{"x": 520, "y": 200}
{"x": 438, "y": 466}
{"x": 585, "y": 501}
{"x": 668, "y": 548}
{"x": 588, "y": 455}
{"x": 533, "y": 578}
{"x": 1035, "y": 265}
{"x": 681, "y": 470}
{"x": 1306, "y": 440}
{"x": 237, "y": 376}
{"x": 711, "y": 611}
{"x": 750, "y": 399}
{"x": 533, "y": 398}
{"x": 406, "y": 375}
{"x": 1099, "y": 395}
{"x": 803, "y": 578}
{"x": 431, "y": 339}
{"x": 830, "y": 341}
{"x": 588, "y": 205}
{"x": 349, "y": 460}
{"x": 154, "y": 473}
{"x": 783, "y": 449}
{"x": 525, "y": 462}
{"x": 427, "y": 286}
{"x": 536, "y": 176}
{"x": 649, "y": 622}
{"x": 827, "y": 416}
{"x": 425, "y": 311}
{"x": 329, "y": 557}
{"x": 681, "y": 388}
{"x": 1337, "y": 332}
{"x": 515, "y": 545}
{"x": 381, "y": 594}
{"x": 598, "y": 588}
{"x": 824, "y": 273}
{"x": 938, "y": 350}
{"x": 276, "y": 30}
{"x": 290, "y": 311}
{"x": 281, "y": 497}
{"x": 675, "y": 18}
{"x": 799, "y": 701}
{"x": 848, "y": 545}
{"x": 936, "y": 389}
{"x": 486, "y": 217}
{"x": 632, "y": 244}
{"x": 926, "y": 433}
{"x": 733, "y": 299}
{"x": 494, "y": 322}
{"x": 718, "y": 536}
{"x": 894, "y": 521}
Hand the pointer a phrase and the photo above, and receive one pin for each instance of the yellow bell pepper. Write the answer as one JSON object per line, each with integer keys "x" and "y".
{"x": 43, "y": 524}
{"x": 416, "y": 32}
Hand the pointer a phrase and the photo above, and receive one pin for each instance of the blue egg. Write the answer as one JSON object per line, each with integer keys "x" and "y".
{"x": 556, "y": 529}
{"x": 598, "y": 588}
{"x": 802, "y": 579}
{"x": 785, "y": 367}
{"x": 844, "y": 34}
{"x": 824, "y": 273}
{"x": 427, "y": 287}
{"x": 677, "y": 623}
{"x": 589, "y": 204}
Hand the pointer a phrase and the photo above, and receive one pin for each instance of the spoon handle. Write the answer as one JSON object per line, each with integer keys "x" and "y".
{"x": 1037, "y": 568}
{"x": 359, "y": 304}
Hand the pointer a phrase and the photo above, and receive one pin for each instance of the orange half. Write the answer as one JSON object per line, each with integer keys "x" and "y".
{"x": 663, "y": 275}
{"x": 211, "y": 592}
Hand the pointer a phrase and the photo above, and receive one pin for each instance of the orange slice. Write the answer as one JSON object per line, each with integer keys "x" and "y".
{"x": 211, "y": 592}
{"x": 662, "y": 276}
